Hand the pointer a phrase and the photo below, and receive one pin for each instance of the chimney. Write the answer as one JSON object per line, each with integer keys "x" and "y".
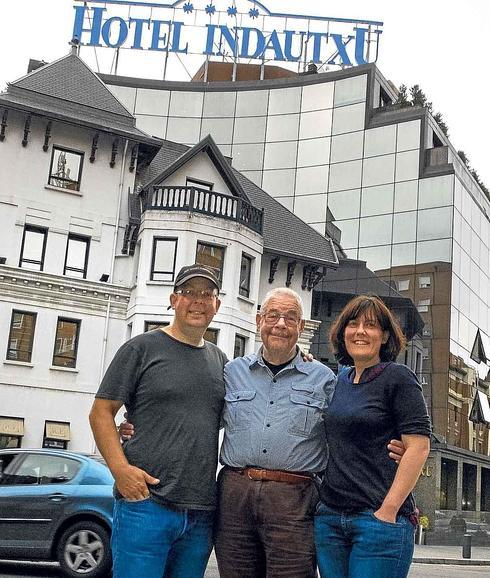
{"x": 75, "y": 42}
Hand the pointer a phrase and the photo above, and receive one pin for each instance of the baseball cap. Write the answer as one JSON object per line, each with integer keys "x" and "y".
{"x": 197, "y": 270}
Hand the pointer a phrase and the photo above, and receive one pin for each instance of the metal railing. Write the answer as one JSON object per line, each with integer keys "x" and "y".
{"x": 174, "y": 198}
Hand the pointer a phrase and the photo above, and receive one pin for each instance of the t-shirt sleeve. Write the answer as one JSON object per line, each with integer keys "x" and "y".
{"x": 122, "y": 375}
{"x": 408, "y": 403}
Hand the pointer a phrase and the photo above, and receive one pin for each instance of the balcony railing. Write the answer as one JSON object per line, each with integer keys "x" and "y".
{"x": 193, "y": 199}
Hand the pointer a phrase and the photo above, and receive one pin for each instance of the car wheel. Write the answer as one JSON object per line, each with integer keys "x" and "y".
{"x": 84, "y": 550}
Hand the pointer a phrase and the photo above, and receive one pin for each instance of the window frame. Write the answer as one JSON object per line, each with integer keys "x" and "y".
{"x": 34, "y": 229}
{"x": 81, "y": 154}
{"x": 247, "y": 290}
{"x": 216, "y": 246}
{"x": 31, "y": 343}
{"x": 243, "y": 340}
{"x": 78, "y": 323}
{"x": 86, "y": 240}
{"x": 198, "y": 184}
{"x": 211, "y": 331}
{"x": 153, "y": 255}
{"x": 158, "y": 325}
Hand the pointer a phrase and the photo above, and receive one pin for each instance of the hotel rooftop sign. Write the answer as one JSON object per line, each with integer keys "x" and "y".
{"x": 244, "y": 30}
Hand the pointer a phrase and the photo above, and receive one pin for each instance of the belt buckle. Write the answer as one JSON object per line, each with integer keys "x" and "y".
{"x": 258, "y": 474}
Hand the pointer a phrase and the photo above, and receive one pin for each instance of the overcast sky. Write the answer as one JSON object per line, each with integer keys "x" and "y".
{"x": 440, "y": 44}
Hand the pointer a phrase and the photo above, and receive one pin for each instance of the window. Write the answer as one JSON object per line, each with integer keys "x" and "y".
{"x": 76, "y": 257}
{"x": 21, "y": 336}
{"x": 240, "y": 345}
{"x": 66, "y": 342}
{"x": 468, "y": 498}
{"x": 211, "y": 256}
{"x": 424, "y": 282}
{"x": 163, "y": 259}
{"x": 449, "y": 474}
{"x": 66, "y": 169}
{"x": 11, "y": 432}
{"x": 211, "y": 335}
{"x": 423, "y": 305}
{"x": 245, "y": 274}
{"x": 38, "y": 469}
{"x": 56, "y": 435}
{"x": 33, "y": 248}
{"x": 151, "y": 325}
{"x": 198, "y": 184}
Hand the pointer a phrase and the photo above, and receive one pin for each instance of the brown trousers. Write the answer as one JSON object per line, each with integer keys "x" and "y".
{"x": 264, "y": 529}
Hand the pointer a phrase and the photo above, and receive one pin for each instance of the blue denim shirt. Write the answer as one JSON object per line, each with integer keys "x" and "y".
{"x": 276, "y": 422}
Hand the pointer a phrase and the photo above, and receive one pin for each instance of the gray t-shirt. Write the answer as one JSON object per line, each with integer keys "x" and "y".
{"x": 174, "y": 396}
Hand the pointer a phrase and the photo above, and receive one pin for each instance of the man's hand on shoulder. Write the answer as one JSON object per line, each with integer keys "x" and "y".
{"x": 132, "y": 482}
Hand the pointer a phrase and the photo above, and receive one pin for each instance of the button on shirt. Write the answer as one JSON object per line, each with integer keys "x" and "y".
{"x": 275, "y": 422}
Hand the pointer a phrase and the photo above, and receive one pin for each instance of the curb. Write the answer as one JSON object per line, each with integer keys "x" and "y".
{"x": 452, "y": 561}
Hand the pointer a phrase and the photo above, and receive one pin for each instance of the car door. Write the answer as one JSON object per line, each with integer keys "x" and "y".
{"x": 35, "y": 491}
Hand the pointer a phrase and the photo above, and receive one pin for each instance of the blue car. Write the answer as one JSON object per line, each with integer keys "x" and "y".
{"x": 56, "y": 505}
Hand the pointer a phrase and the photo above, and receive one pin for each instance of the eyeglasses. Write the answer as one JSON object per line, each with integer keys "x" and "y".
{"x": 272, "y": 317}
{"x": 197, "y": 295}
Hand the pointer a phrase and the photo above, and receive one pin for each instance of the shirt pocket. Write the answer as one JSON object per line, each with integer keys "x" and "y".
{"x": 305, "y": 412}
{"x": 238, "y": 409}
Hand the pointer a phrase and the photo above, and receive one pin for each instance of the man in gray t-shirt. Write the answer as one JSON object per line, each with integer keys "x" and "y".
{"x": 171, "y": 382}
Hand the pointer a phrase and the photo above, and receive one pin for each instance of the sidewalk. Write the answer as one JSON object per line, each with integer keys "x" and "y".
{"x": 480, "y": 555}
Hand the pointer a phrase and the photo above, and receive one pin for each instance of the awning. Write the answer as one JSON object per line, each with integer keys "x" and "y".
{"x": 11, "y": 426}
{"x": 57, "y": 430}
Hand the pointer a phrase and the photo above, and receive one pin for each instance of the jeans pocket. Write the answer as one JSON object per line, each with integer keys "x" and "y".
{"x": 398, "y": 524}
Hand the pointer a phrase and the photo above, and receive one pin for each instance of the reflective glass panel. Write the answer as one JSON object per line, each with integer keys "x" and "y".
{"x": 315, "y": 124}
{"x": 279, "y": 182}
{"x": 377, "y": 258}
{"x": 284, "y": 100}
{"x": 405, "y": 227}
{"x": 150, "y": 101}
{"x": 377, "y": 200}
{"x": 406, "y": 196}
{"x": 249, "y": 130}
{"x": 345, "y": 176}
{"x": 252, "y": 102}
{"x": 310, "y": 180}
{"x": 184, "y": 130}
{"x": 344, "y": 205}
{"x": 403, "y": 254}
{"x": 378, "y": 170}
{"x": 283, "y": 127}
{"x": 407, "y": 165}
{"x": 348, "y": 118}
{"x": 436, "y": 192}
{"x": 280, "y": 155}
{"x": 434, "y": 223}
{"x": 349, "y": 233}
{"x": 315, "y": 151}
{"x": 375, "y": 230}
{"x": 221, "y": 129}
{"x": 350, "y": 90}
{"x": 439, "y": 250}
{"x": 311, "y": 208}
{"x": 248, "y": 156}
{"x": 408, "y": 136}
{"x": 186, "y": 104}
{"x": 317, "y": 96}
{"x": 219, "y": 104}
{"x": 380, "y": 141}
{"x": 65, "y": 349}
{"x": 347, "y": 147}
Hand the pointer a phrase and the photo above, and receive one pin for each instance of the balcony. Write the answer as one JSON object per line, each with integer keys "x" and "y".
{"x": 195, "y": 200}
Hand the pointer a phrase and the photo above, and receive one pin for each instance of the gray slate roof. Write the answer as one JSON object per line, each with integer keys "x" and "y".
{"x": 284, "y": 233}
{"x": 69, "y": 91}
{"x": 69, "y": 78}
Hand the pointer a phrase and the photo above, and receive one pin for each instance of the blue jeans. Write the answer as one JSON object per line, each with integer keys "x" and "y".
{"x": 152, "y": 541}
{"x": 358, "y": 545}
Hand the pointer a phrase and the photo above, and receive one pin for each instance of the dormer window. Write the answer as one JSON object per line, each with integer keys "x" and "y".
{"x": 66, "y": 169}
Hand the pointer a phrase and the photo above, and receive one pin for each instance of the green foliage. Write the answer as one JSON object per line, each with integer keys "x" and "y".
{"x": 462, "y": 155}
{"x": 415, "y": 96}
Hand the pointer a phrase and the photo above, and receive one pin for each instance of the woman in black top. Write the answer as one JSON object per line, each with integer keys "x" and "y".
{"x": 363, "y": 527}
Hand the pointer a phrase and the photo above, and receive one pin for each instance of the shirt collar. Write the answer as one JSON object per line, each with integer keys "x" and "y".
{"x": 297, "y": 363}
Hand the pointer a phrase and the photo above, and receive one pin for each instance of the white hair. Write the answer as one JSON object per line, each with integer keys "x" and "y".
{"x": 280, "y": 291}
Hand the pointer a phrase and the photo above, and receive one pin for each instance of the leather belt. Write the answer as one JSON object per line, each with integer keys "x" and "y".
{"x": 258, "y": 474}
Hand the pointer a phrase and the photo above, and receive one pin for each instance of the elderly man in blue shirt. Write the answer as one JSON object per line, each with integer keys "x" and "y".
{"x": 273, "y": 447}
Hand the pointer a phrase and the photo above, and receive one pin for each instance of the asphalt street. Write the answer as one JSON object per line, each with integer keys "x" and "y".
{"x": 46, "y": 570}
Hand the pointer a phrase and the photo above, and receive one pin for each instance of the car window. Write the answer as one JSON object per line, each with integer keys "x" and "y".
{"x": 5, "y": 460}
{"x": 40, "y": 469}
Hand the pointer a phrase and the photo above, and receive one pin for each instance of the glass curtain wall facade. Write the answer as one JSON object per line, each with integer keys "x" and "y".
{"x": 408, "y": 220}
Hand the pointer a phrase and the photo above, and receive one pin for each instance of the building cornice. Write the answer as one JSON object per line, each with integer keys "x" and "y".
{"x": 46, "y": 289}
